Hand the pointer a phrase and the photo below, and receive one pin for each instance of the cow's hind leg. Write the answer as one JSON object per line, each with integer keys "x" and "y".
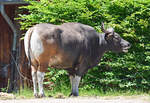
{"x": 34, "y": 79}
{"x": 75, "y": 80}
{"x": 40, "y": 76}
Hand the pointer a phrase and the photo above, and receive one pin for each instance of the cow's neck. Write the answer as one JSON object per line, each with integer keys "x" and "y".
{"x": 103, "y": 45}
{"x": 99, "y": 51}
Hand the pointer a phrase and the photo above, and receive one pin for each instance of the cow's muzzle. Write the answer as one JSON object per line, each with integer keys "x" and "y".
{"x": 126, "y": 47}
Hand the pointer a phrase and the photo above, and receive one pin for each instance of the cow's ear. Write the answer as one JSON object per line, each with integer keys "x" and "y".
{"x": 102, "y": 27}
{"x": 57, "y": 32}
{"x": 109, "y": 33}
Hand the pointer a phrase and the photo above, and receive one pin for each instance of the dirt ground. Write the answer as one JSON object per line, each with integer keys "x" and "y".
{"x": 107, "y": 99}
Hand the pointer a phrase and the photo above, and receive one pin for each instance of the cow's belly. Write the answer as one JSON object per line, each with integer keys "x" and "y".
{"x": 58, "y": 60}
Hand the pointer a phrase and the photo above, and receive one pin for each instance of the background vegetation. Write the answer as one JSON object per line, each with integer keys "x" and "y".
{"x": 130, "y": 18}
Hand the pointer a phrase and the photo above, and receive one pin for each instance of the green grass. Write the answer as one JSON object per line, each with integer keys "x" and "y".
{"x": 24, "y": 93}
{"x": 96, "y": 92}
{"x": 65, "y": 91}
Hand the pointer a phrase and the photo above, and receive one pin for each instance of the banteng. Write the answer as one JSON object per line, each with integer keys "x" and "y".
{"x": 74, "y": 47}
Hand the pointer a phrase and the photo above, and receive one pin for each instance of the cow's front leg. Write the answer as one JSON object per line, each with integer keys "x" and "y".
{"x": 75, "y": 80}
{"x": 34, "y": 79}
{"x": 40, "y": 76}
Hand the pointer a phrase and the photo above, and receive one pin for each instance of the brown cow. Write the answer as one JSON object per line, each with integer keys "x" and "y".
{"x": 74, "y": 47}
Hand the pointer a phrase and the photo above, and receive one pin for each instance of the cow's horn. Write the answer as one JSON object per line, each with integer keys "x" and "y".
{"x": 102, "y": 28}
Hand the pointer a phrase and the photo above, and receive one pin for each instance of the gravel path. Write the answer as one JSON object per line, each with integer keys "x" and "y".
{"x": 118, "y": 99}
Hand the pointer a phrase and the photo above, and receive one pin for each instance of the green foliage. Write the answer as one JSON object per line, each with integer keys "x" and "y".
{"x": 3, "y": 89}
{"x": 130, "y": 18}
{"x": 56, "y": 78}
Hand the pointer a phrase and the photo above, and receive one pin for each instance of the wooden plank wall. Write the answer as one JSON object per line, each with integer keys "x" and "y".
{"x": 6, "y": 40}
{"x": 6, "y": 36}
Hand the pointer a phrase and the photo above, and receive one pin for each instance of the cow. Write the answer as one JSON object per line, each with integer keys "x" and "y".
{"x": 74, "y": 47}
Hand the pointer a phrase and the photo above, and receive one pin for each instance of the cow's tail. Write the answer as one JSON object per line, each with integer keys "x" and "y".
{"x": 29, "y": 46}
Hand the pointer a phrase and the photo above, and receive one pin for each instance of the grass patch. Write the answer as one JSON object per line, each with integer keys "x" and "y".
{"x": 24, "y": 93}
{"x": 65, "y": 91}
{"x": 97, "y": 92}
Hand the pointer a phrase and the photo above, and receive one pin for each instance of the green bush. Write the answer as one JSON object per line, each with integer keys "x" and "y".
{"x": 130, "y": 18}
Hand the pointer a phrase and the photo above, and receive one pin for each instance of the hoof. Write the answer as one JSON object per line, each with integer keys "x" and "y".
{"x": 73, "y": 95}
{"x": 36, "y": 95}
{"x": 70, "y": 95}
{"x": 41, "y": 95}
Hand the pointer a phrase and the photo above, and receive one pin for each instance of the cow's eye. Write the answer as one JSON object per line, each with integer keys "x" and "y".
{"x": 117, "y": 39}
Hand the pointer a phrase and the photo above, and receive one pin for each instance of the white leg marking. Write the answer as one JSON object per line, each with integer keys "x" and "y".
{"x": 75, "y": 84}
{"x": 40, "y": 76}
{"x": 71, "y": 79}
{"x": 34, "y": 79}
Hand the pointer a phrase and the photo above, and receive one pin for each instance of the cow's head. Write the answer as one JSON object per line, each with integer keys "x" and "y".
{"x": 114, "y": 41}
